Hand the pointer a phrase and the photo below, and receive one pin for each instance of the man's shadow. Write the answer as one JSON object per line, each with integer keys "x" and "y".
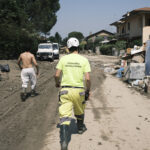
{"x": 72, "y": 130}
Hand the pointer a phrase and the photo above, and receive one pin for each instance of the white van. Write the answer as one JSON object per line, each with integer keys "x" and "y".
{"x": 56, "y": 50}
{"x": 45, "y": 52}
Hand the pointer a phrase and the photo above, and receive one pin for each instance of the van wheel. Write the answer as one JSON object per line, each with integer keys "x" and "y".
{"x": 52, "y": 59}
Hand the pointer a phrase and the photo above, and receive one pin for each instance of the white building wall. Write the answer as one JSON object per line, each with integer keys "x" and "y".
{"x": 146, "y": 34}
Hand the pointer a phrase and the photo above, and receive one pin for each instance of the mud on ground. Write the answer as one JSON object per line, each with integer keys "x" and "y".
{"x": 23, "y": 125}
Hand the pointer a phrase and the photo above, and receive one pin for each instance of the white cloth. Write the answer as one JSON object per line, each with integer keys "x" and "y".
{"x": 28, "y": 74}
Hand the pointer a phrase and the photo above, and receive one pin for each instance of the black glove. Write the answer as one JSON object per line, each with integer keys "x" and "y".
{"x": 87, "y": 93}
{"x": 57, "y": 84}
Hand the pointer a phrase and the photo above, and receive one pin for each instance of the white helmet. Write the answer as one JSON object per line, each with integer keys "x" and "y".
{"x": 72, "y": 42}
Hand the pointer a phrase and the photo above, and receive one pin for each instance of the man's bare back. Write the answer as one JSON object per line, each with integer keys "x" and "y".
{"x": 27, "y": 59}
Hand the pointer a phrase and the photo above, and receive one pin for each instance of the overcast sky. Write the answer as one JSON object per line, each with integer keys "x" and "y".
{"x": 90, "y": 16}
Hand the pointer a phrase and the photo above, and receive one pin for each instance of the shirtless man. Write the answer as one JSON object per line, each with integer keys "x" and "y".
{"x": 25, "y": 62}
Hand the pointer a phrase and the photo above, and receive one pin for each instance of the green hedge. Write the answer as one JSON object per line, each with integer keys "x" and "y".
{"x": 106, "y": 49}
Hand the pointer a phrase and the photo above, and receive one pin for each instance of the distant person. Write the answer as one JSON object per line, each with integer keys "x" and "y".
{"x": 73, "y": 95}
{"x": 26, "y": 61}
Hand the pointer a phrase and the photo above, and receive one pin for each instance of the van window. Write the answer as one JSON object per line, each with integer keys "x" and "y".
{"x": 45, "y": 46}
{"x": 55, "y": 46}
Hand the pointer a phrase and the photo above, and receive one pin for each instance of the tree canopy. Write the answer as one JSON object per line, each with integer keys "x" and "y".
{"x": 24, "y": 19}
{"x": 76, "y": 34}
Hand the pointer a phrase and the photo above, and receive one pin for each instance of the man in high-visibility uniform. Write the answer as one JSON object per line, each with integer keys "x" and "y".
{"x": 73, "y": 95}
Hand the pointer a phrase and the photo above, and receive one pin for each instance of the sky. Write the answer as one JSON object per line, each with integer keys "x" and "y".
{"x": 91, "y": 16}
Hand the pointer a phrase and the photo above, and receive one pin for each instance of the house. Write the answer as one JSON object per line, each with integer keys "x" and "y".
{"x": 102, "y": 33}
{"x": 134, "y": 25}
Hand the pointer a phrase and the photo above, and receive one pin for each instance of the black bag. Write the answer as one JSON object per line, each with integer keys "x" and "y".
{"x": 5, "y": 68}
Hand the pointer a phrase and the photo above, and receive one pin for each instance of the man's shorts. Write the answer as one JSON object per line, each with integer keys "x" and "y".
{"x": 28, "y": 74}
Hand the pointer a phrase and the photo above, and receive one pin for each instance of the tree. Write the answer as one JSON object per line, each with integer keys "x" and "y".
{"x": 42, "y": 13}
{"x": 82, "y": 45}
{"x": 58, "y": 38}
{"x": 64, "y": 41}
{"x": 52, "y": 39}
{"x": 77, "y": 35}
{"x": 24, "y": 19}
{"x": 98, "y": 40}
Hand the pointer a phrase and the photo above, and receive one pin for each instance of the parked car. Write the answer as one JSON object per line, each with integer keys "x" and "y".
{"x": 45, "y": 51}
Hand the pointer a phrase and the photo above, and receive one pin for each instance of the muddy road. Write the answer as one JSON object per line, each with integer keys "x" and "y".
{"x": 24, "y": 124}
{"x": 117, "y": 118}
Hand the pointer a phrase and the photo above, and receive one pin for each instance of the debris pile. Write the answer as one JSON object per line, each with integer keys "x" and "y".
{"x": 134, "y": 67}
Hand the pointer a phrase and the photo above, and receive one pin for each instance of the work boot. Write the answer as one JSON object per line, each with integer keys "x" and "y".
{"x": 81, "y": 126}
{"x": 33, "y": 93}
{"x": 23, "y": 96}
{"x": 64, "y": 132}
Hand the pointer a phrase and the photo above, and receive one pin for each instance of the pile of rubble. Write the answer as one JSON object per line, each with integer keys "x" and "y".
{"x": 134, "y": 67}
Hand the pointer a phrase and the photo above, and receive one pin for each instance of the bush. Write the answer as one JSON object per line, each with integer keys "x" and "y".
{"x": 106, "y": 49}
{"x": 120, "y": 45}
{"x": 135, "y": 42}
{"x": 82, "y": 45}
{"x": 89, "y": 45}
